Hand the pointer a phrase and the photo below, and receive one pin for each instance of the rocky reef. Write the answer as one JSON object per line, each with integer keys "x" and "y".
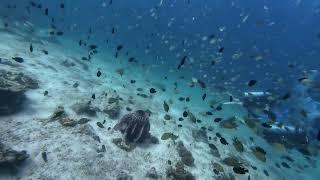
{"x": 10, "y": 159}
{"x": 179, "y": 173}
{"x": 185, "y": 154}
{"x": 12, "y": 88}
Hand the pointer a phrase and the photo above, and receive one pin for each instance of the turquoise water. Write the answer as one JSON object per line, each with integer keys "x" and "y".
{"x": 159, "y": 89}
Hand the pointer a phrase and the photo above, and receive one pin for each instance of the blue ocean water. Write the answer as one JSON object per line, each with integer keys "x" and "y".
{"x": 159, "y": 89}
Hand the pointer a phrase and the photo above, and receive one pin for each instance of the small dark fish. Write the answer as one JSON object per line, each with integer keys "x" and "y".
{"x": 202, "y": 84}
{"x": 61, "y": 5}
{"x": 92, "y": 47}
{"x": 85, "y": 58}
{"x": 18, "y": 59}
{"x": 302, "y": 78}
{"x": 187, "y": 99}
{"x": 211, "y": 36}
{"x": 113, "y": 30}
{"x": 46, "y": 11}
{"x": 209, "y": 113}
{"x": 252, "y": 83}
{"x": 185, "y": 114}
{"x": 318, "y": 135}
{"x": 99, "y": 73}
{"x": 152, "y": 90}
{"x": 181, "y": 98}
{"x": 284, "y": 164}
{"x": 286, "y": 96}
{"x": 217, "y": 120}
{"x": 204, "y": 96}
{"x": 131, "y": 59}
{"x": 266, "y": 125}
{"x": 45, "y": 52}
{"x": 33, "y": 4}
{"x": 80, "y": 42}
{"x": 93, "y": 96}
{"x": 219, "y": 108}
{"x": 218, "y": 135}
{"x": 221, "y": 50}
{"x": 183, "y": 60}
{"x": 133, "y": 81}
{"x": 51, "y": 32}
{"x": 272, "y": 116}
{"x": 240, "y": 170}
{"x": 44, "y": 156}
{"x": 75, "y": 85}
{"x": 166, "y": 106}
{"x": 223, "y": 141}
{"x": 116, "y": 55}
{"x": 230, "y": 98}
{"x": 100, "y": 125}
{"x": 45, "y": 93}
{"x": 119, "y": 47}
{"x": 31, "y": 48}
{"x": 59, "y": 33}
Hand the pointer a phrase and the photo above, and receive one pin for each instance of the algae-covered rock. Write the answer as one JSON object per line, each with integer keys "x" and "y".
{"x": 10, "y": 159}
{"x": 179, "y": 173}
{"x": 67, "y": 122}
{"x": 123, "y": 145}
{"x": 152, "y": 173}
{"x": 185, "y": 154}
{"x": 85, "y": 108}
{"x": 200, "y": 135}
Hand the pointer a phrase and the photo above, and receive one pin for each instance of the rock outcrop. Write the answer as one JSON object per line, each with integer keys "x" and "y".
{"x": 10, "y": 159}
{"x": 85, "y": 108}
{"x": 113, "y": 108}
{"x": 12, "y": 88}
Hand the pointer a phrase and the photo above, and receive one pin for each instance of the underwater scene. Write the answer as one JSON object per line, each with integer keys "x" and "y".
{"x": 159, "y": 89}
